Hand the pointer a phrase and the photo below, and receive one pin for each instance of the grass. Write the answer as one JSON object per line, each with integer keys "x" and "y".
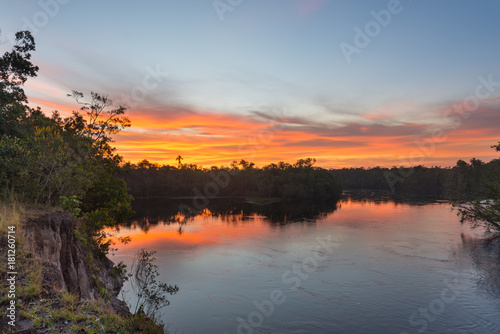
{"x": 65, "y": 313}
{"x": 56, "y": 311}
{"x": 11, "y": 213}
{"x": 28, "y": 268}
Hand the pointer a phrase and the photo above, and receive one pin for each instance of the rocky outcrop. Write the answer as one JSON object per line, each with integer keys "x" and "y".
{"x": 67, "y": 267}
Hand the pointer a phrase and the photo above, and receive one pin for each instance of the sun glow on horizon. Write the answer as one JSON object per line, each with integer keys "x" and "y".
{"x": 208, "y": 138}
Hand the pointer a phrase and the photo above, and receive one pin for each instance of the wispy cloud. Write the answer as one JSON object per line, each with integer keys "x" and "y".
{"x": 382, "y": 135}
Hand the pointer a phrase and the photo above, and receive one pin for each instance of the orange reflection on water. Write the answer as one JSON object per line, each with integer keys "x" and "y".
{"x": 203, "y": 230}
{"x": 367, "y": 217}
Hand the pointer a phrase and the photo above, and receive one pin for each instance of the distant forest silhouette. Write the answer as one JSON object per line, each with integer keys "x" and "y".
{"x": 282, "y": 180}
{"x": 302, "y": 180}
{"x": 464, "y": 181}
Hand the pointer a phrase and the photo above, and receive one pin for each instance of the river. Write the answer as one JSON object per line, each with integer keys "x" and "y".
{"x": 356, "y": 266}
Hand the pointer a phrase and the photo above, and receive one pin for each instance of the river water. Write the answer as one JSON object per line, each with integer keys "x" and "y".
{"x": 356, "y": 266}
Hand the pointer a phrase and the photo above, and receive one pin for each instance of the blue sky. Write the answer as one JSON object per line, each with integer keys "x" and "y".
{"x": 272, "y": 55}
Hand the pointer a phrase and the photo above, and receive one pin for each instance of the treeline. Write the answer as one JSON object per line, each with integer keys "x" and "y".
{"x": 463, "y": 181}
{"x": 466, "y": 180}
{"x": 242, "y": 179}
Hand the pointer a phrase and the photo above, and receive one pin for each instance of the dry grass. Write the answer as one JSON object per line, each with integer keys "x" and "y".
{"x": 11, "y": 214}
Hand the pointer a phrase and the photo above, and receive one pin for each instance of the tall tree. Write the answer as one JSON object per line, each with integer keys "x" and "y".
{"x": 15, "y": 69}
{"x": 179, "y": 160}
{"x": 99, "y": 121}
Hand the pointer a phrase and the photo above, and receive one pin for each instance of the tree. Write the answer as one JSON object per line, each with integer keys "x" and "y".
{"x": 15, "y": 69}
{"x": 11, "y": 152}
{"x": 51, "y": 169}
{"x": 462, "y": 164}
{"x": 56, "y": 157}
{"x": 106, "y": 201}
{"x": 246, "y": 165}
{"x": 100, "y": 122}
{"x": 151, "y": 294}
{"x": 476, "y": 163}
{"x": 485, "y": 213}
{"x": 179, "y": 160}
{"x": 307, "y": 163}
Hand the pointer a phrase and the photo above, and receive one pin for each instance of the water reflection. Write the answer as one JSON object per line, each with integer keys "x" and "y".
{"x": 485, "y": 256}
{"x": 383, "y": 197}
{"x": 165, "y": 211}
{"x": 157, "y": 211}
{"x": 392, "y": 261}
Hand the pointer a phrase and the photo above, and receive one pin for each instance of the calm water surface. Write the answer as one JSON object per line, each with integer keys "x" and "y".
{"x": 349, "y": 267}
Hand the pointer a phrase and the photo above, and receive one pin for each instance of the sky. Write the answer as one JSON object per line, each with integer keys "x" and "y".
{"x": 350, "y": 83}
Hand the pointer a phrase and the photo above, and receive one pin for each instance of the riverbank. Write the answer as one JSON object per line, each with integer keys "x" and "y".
{"x": 58, "y": 285}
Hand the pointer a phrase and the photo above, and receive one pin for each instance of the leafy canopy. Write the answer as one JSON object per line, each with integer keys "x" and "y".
{"x": 484, "y": 213}
{"x": 47, "y": 160}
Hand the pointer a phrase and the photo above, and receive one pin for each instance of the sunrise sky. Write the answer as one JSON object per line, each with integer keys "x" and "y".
{"x": 350, "y": 83}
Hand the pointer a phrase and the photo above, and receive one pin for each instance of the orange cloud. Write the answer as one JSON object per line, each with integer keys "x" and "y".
{"x": 209, "y": 138}
{"x": 48, "y": 105}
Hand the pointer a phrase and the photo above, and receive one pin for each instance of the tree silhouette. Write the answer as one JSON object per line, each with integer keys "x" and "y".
{"x": 179, "y": 160}
{"x": 484, "y": 213}
{"x": 15, "y": 69}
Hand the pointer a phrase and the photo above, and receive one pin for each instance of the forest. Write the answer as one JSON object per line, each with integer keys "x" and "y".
{"x": 302, "y": 180}
{"x": 241, "y": 179}
{"x": 464, "y": 181}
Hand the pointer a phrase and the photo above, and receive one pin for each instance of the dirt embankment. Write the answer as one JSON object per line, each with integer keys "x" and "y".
{"x": 51, "y": 260}
{"x": 67, "y": 260}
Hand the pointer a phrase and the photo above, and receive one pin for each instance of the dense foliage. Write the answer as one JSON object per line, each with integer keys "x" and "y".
{"x": 463, "y": 181}
{"x": 48, "y": 160}
{"x": 298, "y": 181}
{"x": 485, "y": 212}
